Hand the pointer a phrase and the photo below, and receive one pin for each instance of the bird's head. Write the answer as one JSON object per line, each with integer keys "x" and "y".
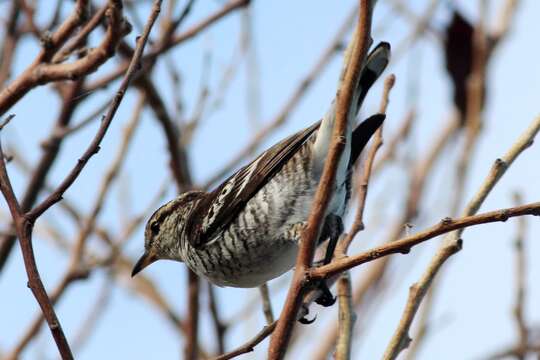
{"x": 164, "y": 231}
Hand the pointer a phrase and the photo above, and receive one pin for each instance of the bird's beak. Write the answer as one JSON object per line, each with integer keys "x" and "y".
{"x": 143, "y": 262}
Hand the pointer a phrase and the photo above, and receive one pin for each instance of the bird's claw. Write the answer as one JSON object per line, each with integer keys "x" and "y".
{"x": 326, "y": 298}
{"x": 305, "y": 321}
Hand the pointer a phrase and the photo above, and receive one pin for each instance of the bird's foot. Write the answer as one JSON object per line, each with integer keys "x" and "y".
{"x": 304, "y": 320}
{"x": 326, "y": 298}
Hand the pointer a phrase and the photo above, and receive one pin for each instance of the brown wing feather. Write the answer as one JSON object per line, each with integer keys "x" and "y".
{"x": 223, "y": 204}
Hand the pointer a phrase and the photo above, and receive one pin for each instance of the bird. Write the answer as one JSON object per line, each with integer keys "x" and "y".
{"x": 247, "y": 230}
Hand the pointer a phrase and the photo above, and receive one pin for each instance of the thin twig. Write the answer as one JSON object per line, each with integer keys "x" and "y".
{"x": 51, "y": 148}
{"x": 248, "y": 347}
{"x": 520, "y": 268}
{"x": 266, "y": 303}
{"x": 178, "y": 39}
{"x": 41, "y": 72}
{"x": 93, "y": 148}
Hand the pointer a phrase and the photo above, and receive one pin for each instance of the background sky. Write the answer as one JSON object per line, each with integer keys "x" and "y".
{"x": 472, "y": 315}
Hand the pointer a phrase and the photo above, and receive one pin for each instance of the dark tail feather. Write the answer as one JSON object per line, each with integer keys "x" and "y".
{"x": 363, "y": 133}
{"x": 376, "y": 62}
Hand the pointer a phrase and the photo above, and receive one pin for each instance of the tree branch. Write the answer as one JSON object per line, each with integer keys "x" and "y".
{"x": 452, "y": 243}
{"x": 358, "y": 50}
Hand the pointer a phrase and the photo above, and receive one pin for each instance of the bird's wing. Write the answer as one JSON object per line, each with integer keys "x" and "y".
{"x": 222, "y": 205}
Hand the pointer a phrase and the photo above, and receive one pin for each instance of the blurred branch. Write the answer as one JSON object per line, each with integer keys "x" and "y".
{"x": 41, "y": 71}
{"x": 97, "y": 310}
{"x": 290, "y": 105}
{"x": 219, "y": 327}
{"x": 9, "y": 43}
{"x": 391, "y": 145}
{"x": 452, "y": 243}
{"x": 151, "y": 57}
{"x": 346, "y": 318}
{"x": 504, "y": 24}
{"x": 24, "y": 222}
{"x": 267, "y": 305}
{"x": 248, "y": 347}
{"x": 79, "y": 40}
{"x": 51, "y": 148}
{"x": 423, "y": 322}
{"x": 520, "y": 268}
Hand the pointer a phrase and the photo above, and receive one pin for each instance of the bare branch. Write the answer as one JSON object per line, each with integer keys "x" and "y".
{"x": 93, "y": 148}
{"x": 358, "y": 51}
{"x": 41, "y": 71}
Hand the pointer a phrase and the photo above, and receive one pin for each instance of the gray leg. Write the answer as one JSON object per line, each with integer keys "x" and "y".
{"x": 332, "y": 230}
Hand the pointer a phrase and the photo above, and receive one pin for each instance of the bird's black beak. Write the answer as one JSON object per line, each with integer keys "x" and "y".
{"x": 143, "y": 262}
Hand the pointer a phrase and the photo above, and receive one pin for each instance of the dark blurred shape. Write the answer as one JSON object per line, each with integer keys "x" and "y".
{"x": 458, "y": 48}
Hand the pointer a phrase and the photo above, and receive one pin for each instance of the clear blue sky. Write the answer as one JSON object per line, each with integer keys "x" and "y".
{"x": 472, "y": 315}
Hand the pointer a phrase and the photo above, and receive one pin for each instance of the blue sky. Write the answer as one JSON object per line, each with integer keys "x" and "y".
{"x": 472, "y": 314}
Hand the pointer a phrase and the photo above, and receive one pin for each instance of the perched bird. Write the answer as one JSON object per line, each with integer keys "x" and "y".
{"x": 247, "y": 230}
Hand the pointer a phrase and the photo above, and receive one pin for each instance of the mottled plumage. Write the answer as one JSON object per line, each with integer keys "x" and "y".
{"x": 246, "y": 231}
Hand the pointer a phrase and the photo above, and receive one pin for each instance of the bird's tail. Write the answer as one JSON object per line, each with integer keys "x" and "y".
{"x": 362, "y": 133}
{"x": 375, "y": 64}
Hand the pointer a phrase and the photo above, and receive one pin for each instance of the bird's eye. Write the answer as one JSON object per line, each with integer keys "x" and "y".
{"x": 154, "y": 227}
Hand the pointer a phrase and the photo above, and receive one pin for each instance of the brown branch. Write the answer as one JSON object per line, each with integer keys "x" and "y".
{"x": 75, "y": 271}
{"x": 79, "y": 40}
{"x": 24, "y": 229}
{"x": 192, "y": 320}
{"x": 93, "y": 148}
{"x": 38, "y": 321}
{"x": 375, "y": 274}
{"x": 343, "y": 330}
{"x": 77, "y": 268}
{"x": 41, "y": 71}
{"x": 404, "y": 245}
{"x": 353, "y": 65}
{"x": 178, "y": 39}
{"x": 416, "y": 291}
{"x": 51, "y": 148}
{"x": 219, "y": 327}
{"x": 9, "y": 43}
{"x": 362, "y": 185}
